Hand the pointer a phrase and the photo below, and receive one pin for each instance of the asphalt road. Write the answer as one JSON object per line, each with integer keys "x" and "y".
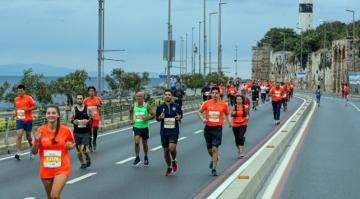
{"x": 106, "y": 179}
{"x": 327, "y": 165}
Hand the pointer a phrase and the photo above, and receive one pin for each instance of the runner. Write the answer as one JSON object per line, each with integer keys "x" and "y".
{"x": 346, "y": 93}
{"x": 169, "y": 114}
{"x": 222, "y": 90}
{"x": 205, "y": 91}
{"x": 255, "y": 89}
{"x": 231, "y": 93}
{"x": 80, "y": 117}
{"x": 24, "y": 104}
{"x": 276, "y": 94}
{"x": 263, "y": 89}
{"x": 94, "y": 104}
{"x": 53, "y": 142}
{"x": 178, "y": 93}
{"x": 285, "y": 96}
{"x": 214, "y": 110}
{"x": 238, "y": 120}
{"x": 318, "y": 95}
{"x": 140, "y": 114}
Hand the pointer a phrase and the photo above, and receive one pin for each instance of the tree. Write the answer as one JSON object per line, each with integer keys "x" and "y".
{"x": 35, "y": 85}
{"x": 216, "y": 78}
{"x": 123, "y": 82}
{"x": 4, "y": 89}
{"x": 193, "y": 81}
{"x": 71, "y": 85}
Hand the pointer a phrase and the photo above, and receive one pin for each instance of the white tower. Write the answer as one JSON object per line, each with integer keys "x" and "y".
{"x": 305, "y": 14}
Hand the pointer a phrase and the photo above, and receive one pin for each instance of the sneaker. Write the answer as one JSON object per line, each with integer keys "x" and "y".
{"x": 241, "y": 155}
{"x": 174, "y": 165}
{"x": 83, "y": 166}
{"x": 146, "y": 161}
{"x": 213, "y": 172}
{"x": 137, "y": 161}
{"x": 17, "y": 157}
{"x": 168, "y": 171}
{"x": 31, "y": 156}
{"x": 88, "y": 162}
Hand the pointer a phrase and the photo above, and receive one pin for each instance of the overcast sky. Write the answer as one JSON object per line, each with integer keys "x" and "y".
{"x": 64, "y": 32}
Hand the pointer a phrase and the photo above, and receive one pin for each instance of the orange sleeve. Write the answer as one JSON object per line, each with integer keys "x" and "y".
{"x": 203, "y": 106}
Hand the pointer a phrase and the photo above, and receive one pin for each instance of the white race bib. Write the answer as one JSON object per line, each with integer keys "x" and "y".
{"x": 21, "y": 114}
{"x": 169, "y": 123}
{"x": 52, "y": 158}
{"x": 92, "y": 110}
{"x": 214, "y": 116}
{"x": 82, "y": 123}
{"x": 277, "y": 93}
{"x": 139, "y": 116}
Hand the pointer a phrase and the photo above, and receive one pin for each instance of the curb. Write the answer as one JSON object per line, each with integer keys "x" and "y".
{"x": 251, "y": 179}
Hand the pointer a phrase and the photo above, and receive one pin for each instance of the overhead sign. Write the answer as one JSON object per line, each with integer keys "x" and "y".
{"x": 354, "y": 78}
{"x": 301, "y": 74}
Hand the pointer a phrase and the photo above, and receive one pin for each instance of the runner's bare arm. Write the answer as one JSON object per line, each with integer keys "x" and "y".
{"x": 151, "y": 112}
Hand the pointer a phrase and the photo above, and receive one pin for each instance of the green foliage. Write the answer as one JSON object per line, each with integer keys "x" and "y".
{"x": 216, "y": 78}
{"x": 313, "y": 40}
{"x": 193, "y": 81}
{"x": 126, "y": 81}
{"x": 35, "y": 85}
{"x": 71, "y": 84}
{"x": 4, "y": 89}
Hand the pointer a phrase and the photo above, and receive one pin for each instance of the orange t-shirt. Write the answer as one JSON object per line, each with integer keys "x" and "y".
{"x": 214, "y": 112}
{"x": 20, "y": 103}
{"x": 232, "y": 91}
{"x": 54, "y": 158}
{"x": 276, "y": 94}
{"x": 222, "y": 90}
{"x": 92, "y": 106}
{"x": 239, "y": 119}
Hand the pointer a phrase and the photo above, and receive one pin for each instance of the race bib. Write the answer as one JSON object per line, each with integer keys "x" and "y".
{"x": 214, "y": 116}
{"x": 93, "y": 110}
{"x": 277, "y": 93}
{"x": 52, "y": 159}
{"x": 169, "y": 123}
{"x": 139, "y": 116}
{"x": 21, "y": 114}
{"x": 82, "y": 123}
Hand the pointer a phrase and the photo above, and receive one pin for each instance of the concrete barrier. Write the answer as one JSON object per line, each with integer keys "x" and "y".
{"x": 248, "y": 180}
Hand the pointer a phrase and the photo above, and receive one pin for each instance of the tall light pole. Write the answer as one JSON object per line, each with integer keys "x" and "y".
{"x": 219, "y": 39}
{"x": 169, "y": 45}
{"x": 199, "y": 48}
{"x": 236, "y": 60}
{"x": 186, "y": 52}
{"x": 181, "y": 54}
{"x": 205, "y": 50}
{"x": 353, "y": 20}
{"x": 209, "y": 62}
{"x": 192, "y": 51}
{"x": 100, "y": 44}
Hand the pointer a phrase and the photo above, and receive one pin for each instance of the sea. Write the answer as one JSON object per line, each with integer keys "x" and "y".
{"x": 60, "y": 99}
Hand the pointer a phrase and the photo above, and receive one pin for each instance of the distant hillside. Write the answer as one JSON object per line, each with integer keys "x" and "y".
{"x": 47, "y": 70}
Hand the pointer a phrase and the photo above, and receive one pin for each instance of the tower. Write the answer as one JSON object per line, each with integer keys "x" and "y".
{"x": 305, "y": 14}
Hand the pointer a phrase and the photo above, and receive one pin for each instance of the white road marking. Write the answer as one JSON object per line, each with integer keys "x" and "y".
{"x": 156, "y": 148}
{"x": 220, "y": 189}
{"x": 199, "y": 131}
{"x": 30, "y": 198}
{"x": 357, "y": 108}
{"x": 270, "y": 189}
{"x": 126, "y": 160}
{"x": 80, "y": 178}
{"x": 182, "y": 138}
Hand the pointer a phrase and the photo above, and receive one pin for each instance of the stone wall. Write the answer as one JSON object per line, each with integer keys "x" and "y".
{"x": 261, "y": 62}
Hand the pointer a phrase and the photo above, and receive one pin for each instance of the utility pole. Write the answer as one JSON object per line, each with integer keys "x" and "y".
{"x": 169, "y": 45}
{"x": 100, "y": 44}
{"x": 192, "y": 51}
{"x": 236, "y": 60}
{"x": 205, "y": 50}
{"x": 186, "y": 52}
{"x": 210, "y": 60}
{"x": 219, "y": 39}
{"x": 199, "y": 48}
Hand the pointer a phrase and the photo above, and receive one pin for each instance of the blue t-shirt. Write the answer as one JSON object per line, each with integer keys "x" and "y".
{"x": 169, "y": 125}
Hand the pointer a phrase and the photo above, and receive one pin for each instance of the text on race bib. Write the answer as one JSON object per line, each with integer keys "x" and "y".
{"x": 169, "y": 123}
{"x": 277, "y": 93}
{"x": 52, "y": 158}
{"x": 21, "y": 114}
{"x": 82, "y": 123}
{"x": 214, "y": 116}
{"x": 139, "y": 116}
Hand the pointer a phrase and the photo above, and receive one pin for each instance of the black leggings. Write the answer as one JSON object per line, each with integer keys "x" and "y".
{"x": 239, "y": 133}
{"x": 93, "y": 136}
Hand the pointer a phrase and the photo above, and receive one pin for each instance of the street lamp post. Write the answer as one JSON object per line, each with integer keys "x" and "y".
{"x": 186, "y": 52}
{"x": 169, "y": 45}
{"x": 236, "y": 60}
{"x": 100, "y": 43}
{"x": 205, "y": 50}
{"x": 199, "y": 48}
{"x": 209, "y": 63}
{"x": 219, "y": 39}
{"x": 192, "y": 51}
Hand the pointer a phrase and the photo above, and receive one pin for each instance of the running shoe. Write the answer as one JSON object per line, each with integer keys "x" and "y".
{"x": 136, "y": 162}
{"x": 83, "y": 166}
{"x": 213, "y": 172}
{"x": 146, "y": 161}
{"x": 174, "y": 165}
{"x": 168, "y": 171}
{"x": 17, "y": 157}
{"x": 241, "y": 155}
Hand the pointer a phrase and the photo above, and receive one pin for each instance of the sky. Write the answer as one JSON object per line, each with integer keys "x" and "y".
{"x": 64, "y": 33}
